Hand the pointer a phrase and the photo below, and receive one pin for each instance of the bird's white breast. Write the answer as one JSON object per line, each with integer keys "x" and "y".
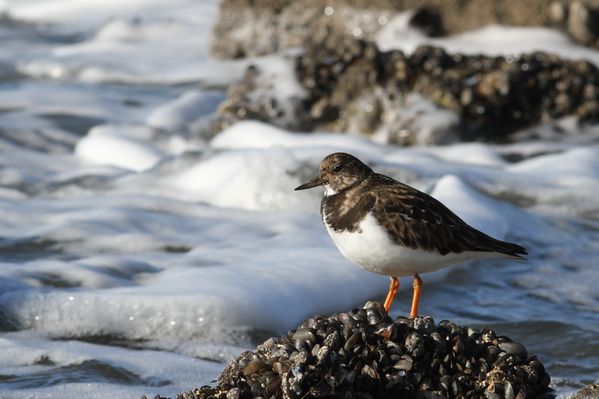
{"x": 371, "y": 248}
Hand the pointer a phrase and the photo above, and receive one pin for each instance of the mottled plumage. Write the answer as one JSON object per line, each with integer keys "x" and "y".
{"x": 412, "y": 218}
{"x": 390, "y": 228}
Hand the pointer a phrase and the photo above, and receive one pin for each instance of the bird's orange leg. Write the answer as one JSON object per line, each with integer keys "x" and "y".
{"x": 417, "y": 284}
{"x": 393, "y": 286}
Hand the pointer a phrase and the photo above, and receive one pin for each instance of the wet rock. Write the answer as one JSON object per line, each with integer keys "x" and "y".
{"x": 589, "y": 392}
{"x": 253, "y": 366}
{"x": 257, "y": 97}
{"x": 580, "y": 19}
{"x": 428, "y": 97}
{"x": 514, "y": 348}
{"x": 248, "y": 27}
{"x": 346, "y": 84}
{"x": 417, "y": 360}
{"x": 429, "y": 21}
{"x": 251, "y": 28}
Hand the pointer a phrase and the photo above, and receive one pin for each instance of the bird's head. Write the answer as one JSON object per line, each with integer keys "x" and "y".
{"x": 338, "y": 172}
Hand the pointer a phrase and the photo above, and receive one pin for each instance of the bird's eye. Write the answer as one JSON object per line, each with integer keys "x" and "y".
{"x": 337, "y": 168}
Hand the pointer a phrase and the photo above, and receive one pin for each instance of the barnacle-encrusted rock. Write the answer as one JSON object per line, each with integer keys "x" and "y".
{"x": 591, "y": 391}
{"x": 350, "y": 85}
{"x": 365, "y": 354}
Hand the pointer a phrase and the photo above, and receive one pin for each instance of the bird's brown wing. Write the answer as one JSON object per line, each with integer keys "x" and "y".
{"x": 418, "y": 221}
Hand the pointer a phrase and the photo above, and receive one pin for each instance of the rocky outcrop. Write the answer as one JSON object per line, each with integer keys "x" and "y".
{"x": 257, "y": 27}
{"x": 591, "y": 391}
{"x": 365, "y": 354}
{"x": 350, "y": 85}
{"x": 580, "y": 19}
{"x": 426, "y": 97}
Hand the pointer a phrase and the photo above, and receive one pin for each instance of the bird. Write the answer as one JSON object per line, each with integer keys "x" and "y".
{"x": 390, "y": 228}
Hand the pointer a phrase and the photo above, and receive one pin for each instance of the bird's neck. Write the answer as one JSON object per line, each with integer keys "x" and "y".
{"x": 330, "y": 191}
{"x": 345, "y": 210}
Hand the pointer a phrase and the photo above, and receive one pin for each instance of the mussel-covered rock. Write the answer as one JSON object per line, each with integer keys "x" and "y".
{"x": 427, "y": 97}
{"x": 365, "y": 354}
{"x": 591, "y": 391}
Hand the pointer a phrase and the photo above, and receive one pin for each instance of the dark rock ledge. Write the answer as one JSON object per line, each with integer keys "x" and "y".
{"x": 365, "y": 354}
{"x": 350, "y": 85}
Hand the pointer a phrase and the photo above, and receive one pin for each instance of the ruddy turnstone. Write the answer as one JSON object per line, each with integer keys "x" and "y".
{"x": 390, "y": 228}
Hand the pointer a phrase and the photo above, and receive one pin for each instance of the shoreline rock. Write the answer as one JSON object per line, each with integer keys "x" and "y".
{"x": 591, "y": 391}
{"x": 248, "y": 28}
{"x": 350, "y": 85}
{"x": 347, "y": 84}
{"x": 365, "y": 354}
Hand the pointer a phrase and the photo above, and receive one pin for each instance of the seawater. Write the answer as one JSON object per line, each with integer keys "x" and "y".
{"x": 138, "y": 254}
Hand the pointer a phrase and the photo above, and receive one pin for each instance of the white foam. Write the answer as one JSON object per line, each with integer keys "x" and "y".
{"x": 40, "y": 98}
{"x": 20, "y": 351}
{"x": 469, "y": 153}
{"x": 245, "y": 179}
{"x": 107, "y": 146}
{"x": 476, "y": 209}
{"x": 577, "y": 167}
{"x": 185, "y": 111}
{"x": 144, "y": 295}
{"x": 492, "y": 40}
{"x": 92, "y": 11}
{"x": 278, "y": 79}
{"x": 165, "y": 42}
{"x": 260, "y": 135}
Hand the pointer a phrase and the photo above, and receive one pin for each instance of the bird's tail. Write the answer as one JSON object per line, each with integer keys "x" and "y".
{"x": 506, "y": 248}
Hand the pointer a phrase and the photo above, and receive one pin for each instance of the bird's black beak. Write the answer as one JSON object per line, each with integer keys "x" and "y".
{"x": 317, "y": 181}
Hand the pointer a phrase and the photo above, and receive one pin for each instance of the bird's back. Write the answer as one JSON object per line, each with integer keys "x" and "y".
{"x": 417, "y": 220}
{"x": 411, "y": 218}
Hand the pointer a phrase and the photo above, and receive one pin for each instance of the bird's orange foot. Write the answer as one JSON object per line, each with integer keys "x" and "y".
{"x": 417, "y": 284}
{"x": 393, "y": 286}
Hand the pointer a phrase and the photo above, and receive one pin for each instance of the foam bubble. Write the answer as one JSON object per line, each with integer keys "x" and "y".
{"x": 492, "y": 40}
{"x": 108, "y": 146}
